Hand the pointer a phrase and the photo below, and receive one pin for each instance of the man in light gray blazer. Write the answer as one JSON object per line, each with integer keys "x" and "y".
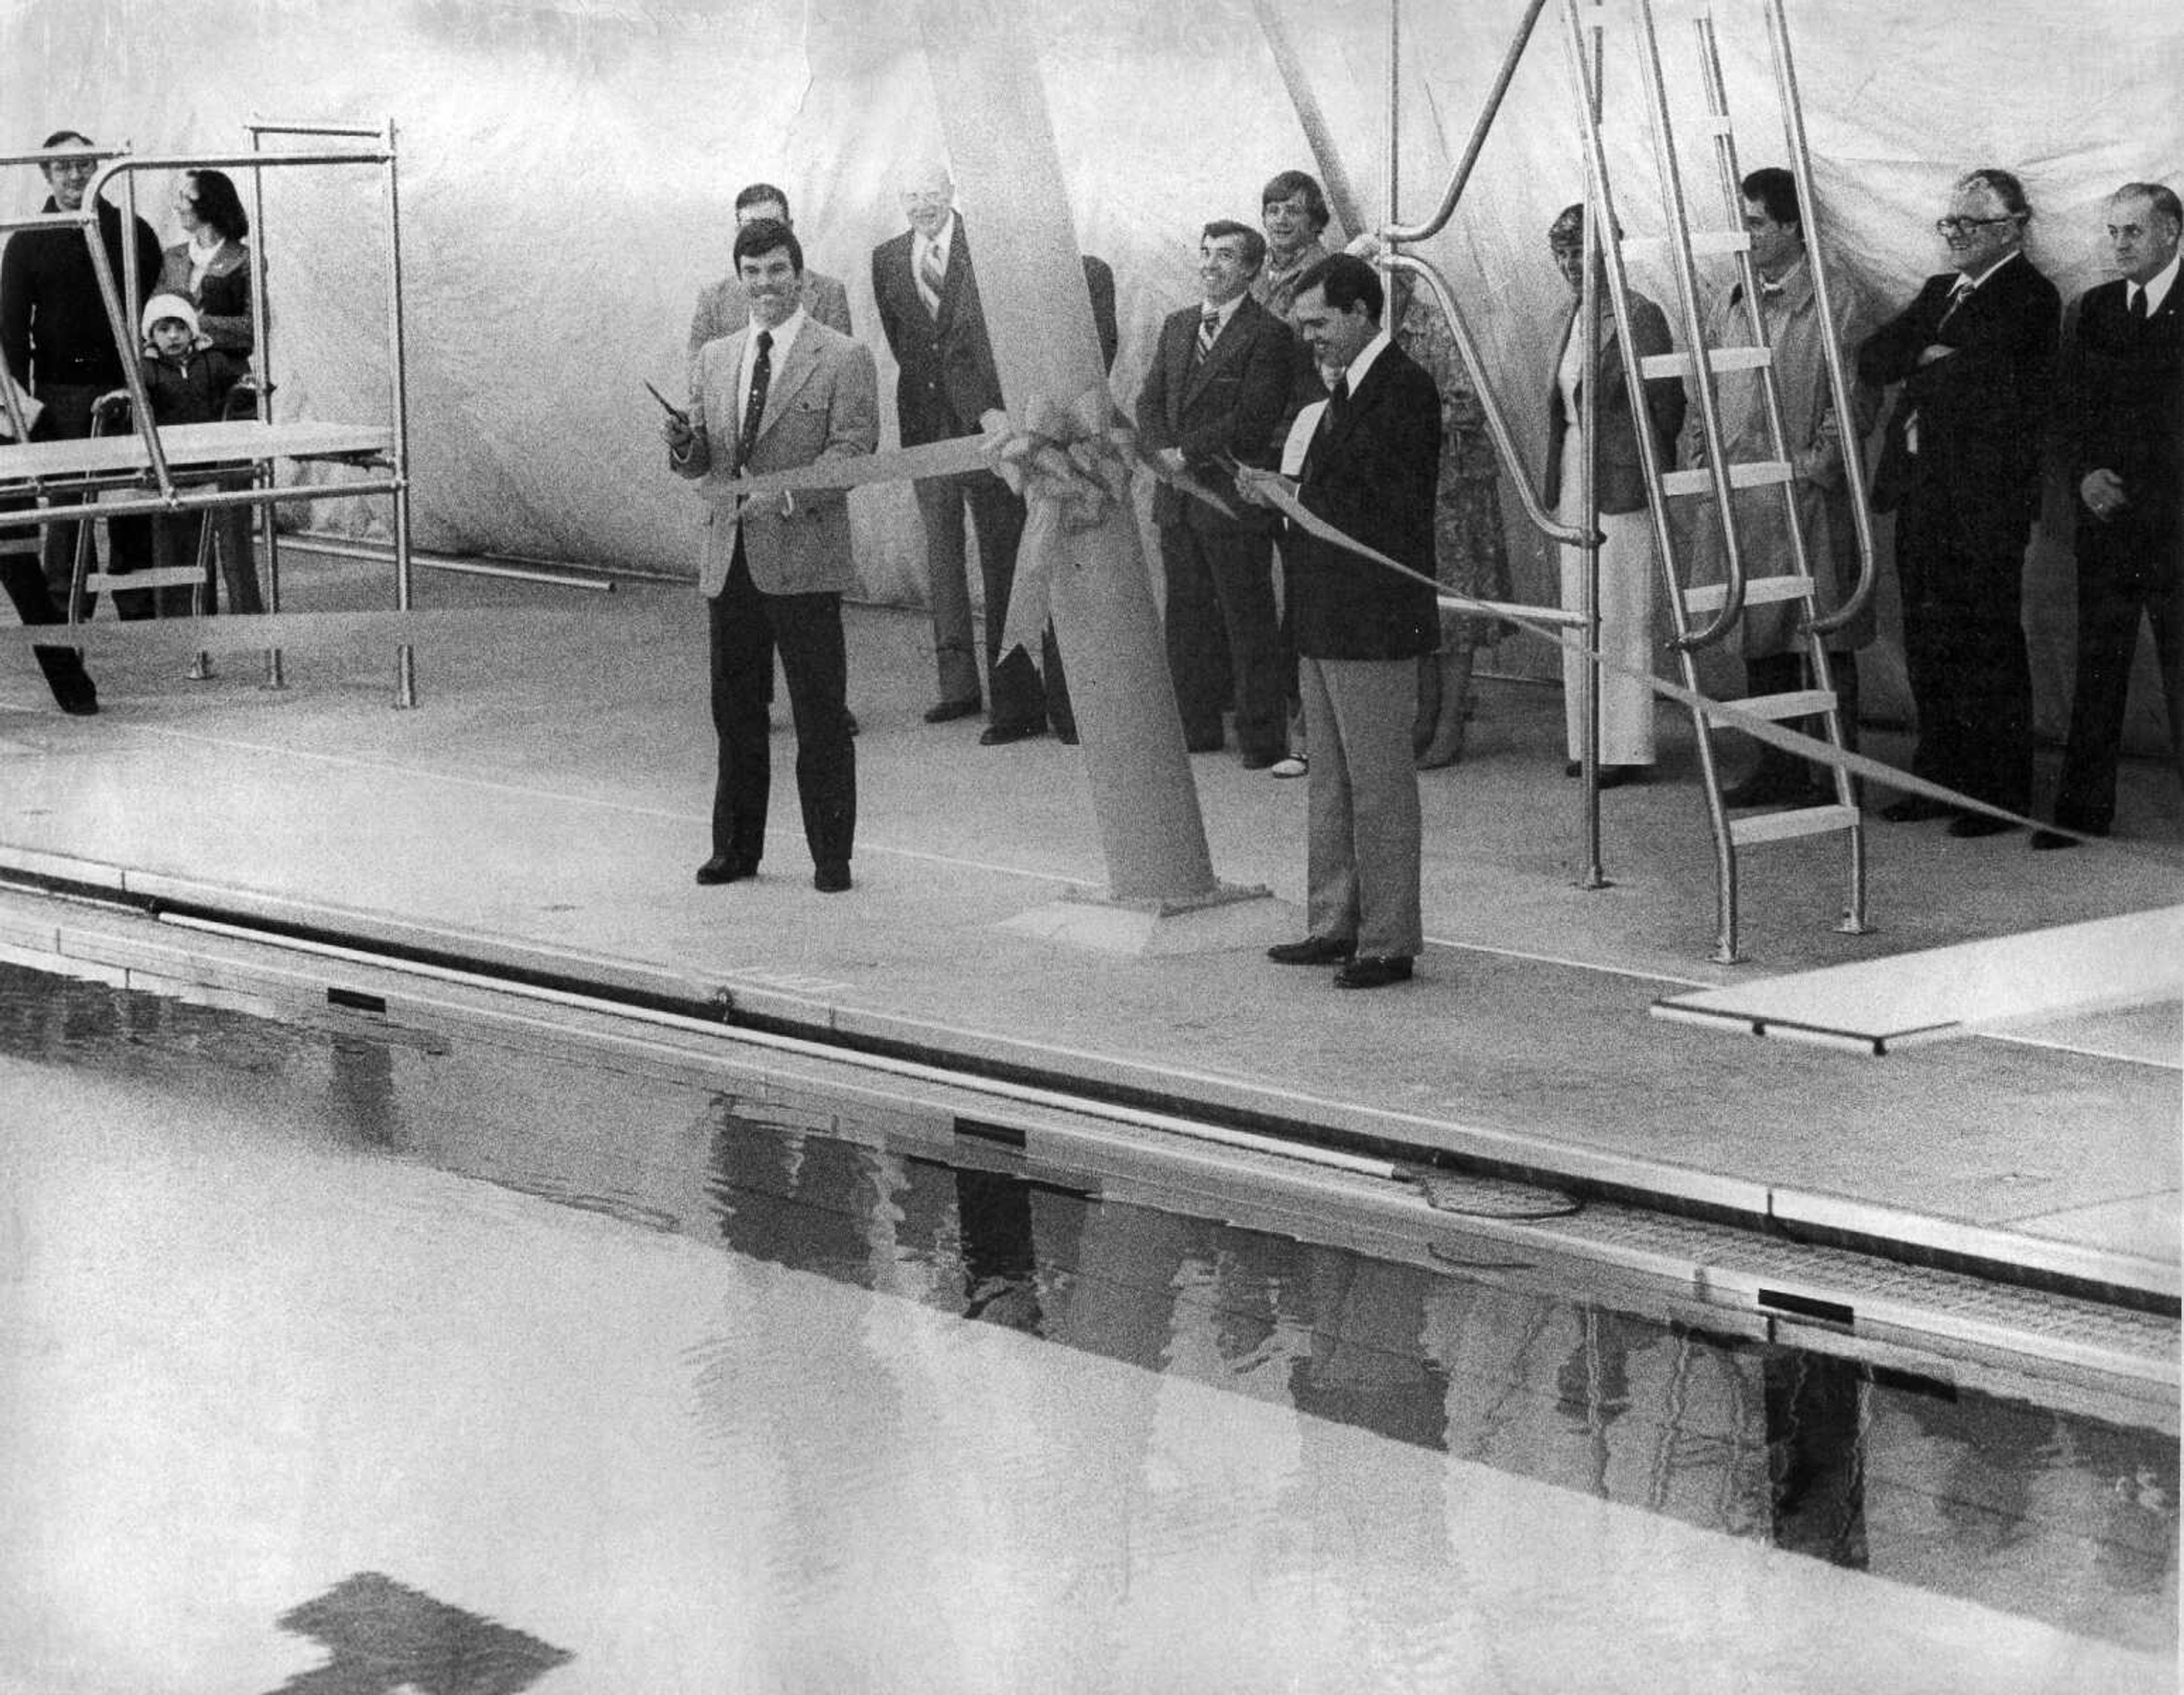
{"x": 723, "y": 308}
{"x": 783, "y": 393}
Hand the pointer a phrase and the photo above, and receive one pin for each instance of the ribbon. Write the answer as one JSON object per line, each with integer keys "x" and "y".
{"x": 1073, "y": 467}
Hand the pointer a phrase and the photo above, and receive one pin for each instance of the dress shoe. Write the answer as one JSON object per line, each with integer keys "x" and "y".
{"x": 725, "y": 868}
{"x": 1202, "y": 744}
{"x": 1066, "y": 734}
{"x": 1571, "y": 768}
{"x": 831, "y": 876}
{"x": 1000, "y": 735}
{"x": 1972, "y": 824}
{"x": 2047, "y": 841}
{"x": 1916, "y": 809}
{"x": 947, "y": 711}
{"x": 1314, "y": 950}
{"x": 83, "y": 705}
{"x": 1617, "y": 776}
{"x": 1289, "y": 765}
{"x": 1373, "y": 971}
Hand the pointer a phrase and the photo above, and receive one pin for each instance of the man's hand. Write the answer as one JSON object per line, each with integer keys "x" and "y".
{"x": 1933, "y": 351}
{"x": 1252, "y": 484}
{"x": 674, "y": 430}
{"x": 2103, "y": 492}
{"x": 1171, "y": 459}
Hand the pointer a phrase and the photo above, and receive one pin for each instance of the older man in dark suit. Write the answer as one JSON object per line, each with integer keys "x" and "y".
{"x": 780, "y": 393}
{"x": 2123, "y": 425}
{"x": 927, "y": 296}
{"x": 1217, "y": 390}
{"x": 1370, "y": 472}
{"x": 1976, "y": 355}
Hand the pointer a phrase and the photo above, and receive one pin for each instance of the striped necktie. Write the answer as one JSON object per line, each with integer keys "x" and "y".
{"x": 1209, "y": 330}
{"x": 932, "y": 276}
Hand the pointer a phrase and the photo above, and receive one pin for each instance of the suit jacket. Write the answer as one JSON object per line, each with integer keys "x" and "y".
{"x": 724, "y": 307}
{"x": 1980, "y": 413}
{"x": 53, "y": 327}
{"x": 1621, "y": 473}
{"x": 821, "y": 402}
{"x": 2124, "y": 411}
{"x": 1233, "y": 404}
{"x": 947, "y": 381}
{"x": 1371, "y": 473}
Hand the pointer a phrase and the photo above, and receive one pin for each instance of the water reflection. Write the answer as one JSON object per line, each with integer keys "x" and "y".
{"x": 2051, "y": 1514}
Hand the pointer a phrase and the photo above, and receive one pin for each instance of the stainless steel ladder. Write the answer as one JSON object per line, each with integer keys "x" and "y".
{"x": 1722, "y": 606}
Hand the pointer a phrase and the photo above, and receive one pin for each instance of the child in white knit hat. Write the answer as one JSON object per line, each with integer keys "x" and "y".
{"x": 187, "y": 381}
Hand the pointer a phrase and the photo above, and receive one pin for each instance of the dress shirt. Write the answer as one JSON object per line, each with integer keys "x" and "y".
{"x": 939, "y": 246}
{"x": 1363, "y": 362}
{"x": 2156, "y": 288}
{"x": 1221, "y": 313}
{"x": 784, "y": 337}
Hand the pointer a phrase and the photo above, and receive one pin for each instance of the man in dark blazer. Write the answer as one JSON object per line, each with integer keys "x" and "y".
{"x": 1976, "y": 355}
{"x": 783, "y": 393}
{"x": 60, "y": 344}
{"x": 1370, "y": 471}
{"x": 2124, "y": 431}
{"x": 1217, "y": 389}
{"x": 927, "y": 296}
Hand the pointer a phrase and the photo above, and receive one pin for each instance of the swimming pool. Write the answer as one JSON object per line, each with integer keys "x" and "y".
{"x": 337, "y": 1352}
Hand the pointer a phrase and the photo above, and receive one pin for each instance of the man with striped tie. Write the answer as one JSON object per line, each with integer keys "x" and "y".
{"x": 1216, "y": 392}
{"x": 927, "y": 295}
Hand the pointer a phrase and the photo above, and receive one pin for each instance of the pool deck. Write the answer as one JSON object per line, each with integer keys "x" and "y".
{"x": 545, "y": 806}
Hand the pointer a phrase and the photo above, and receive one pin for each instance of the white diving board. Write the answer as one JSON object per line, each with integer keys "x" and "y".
{"x": 186, "y": 445}
{"x": 1943, "y": 992}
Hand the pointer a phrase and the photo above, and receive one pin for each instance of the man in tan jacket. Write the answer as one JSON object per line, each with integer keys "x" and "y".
{"x": 780, "y": 393}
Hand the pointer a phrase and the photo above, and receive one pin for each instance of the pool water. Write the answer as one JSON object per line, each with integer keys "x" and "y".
{"x": 338, "y": 1358}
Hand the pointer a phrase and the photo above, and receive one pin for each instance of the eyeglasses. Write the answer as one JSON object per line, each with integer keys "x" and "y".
{"x": 1964, "y": 226}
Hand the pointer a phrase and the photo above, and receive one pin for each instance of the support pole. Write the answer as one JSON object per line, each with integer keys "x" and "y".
{"x": 1038, "y": 318}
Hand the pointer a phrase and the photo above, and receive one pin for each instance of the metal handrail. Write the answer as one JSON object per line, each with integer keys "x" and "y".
{"x": 1497, "y": 422}
{"x": 1839, "y": 384}
{"x": 1702, "y": 377}
{"x": 1461, "y": 175}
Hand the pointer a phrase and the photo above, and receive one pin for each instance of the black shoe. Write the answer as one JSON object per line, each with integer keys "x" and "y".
{"x": 1373, "y": 971}
{"x": 1972, "y": 824}
{"x": 1314, "y": 950}
{"x": 1616, "y": 776}
{"x": 2047, "y": 841}
{"x": 1916, "y": 809}
{"x": 832, "y": 876}
{"x": 1000, "y": 735}
{"x": 947, "y": 711}
{"x": 725, "y": 868}
{"x": 84, "y": 705}
{"x": 1768, "y": 786}
{"x": 1066, "y": 734}
{"x": 1203, "y": 745}
{"x": 1572, "y": 769}
{"x": 852, "y": 717}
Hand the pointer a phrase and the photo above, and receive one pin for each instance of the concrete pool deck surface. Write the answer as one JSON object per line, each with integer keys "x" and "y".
{"x": 545, "y": 806}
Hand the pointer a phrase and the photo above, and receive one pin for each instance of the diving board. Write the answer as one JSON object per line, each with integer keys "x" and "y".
{"x": 1938, "y": 993}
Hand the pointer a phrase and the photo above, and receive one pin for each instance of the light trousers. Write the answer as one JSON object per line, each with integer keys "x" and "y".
{"x": 1362, "y": 863}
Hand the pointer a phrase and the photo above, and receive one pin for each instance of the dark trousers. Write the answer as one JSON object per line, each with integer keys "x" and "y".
{"x": 1222, "y": 633}
{"x": 128, "y": 540}
{"x": 24, "y": 579}
{"x": 2115, "y": 586}
{"x": 746, "y": 627}
{"x": 1964, "y": 649}
{"x": 176, "y": 540}
{"x": 1016, "y": 693}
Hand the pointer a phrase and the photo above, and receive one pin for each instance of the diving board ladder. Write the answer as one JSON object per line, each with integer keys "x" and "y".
{"x": 1703, "y": 616}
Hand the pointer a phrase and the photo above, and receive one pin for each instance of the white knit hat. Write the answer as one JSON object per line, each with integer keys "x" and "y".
{"x": 161, "y": 306}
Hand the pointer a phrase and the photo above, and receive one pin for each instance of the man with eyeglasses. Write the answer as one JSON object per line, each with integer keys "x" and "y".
{"x": 1974, "y": 352}
{"x": 60, "y": 347}
{"x": 2123, "y": 427}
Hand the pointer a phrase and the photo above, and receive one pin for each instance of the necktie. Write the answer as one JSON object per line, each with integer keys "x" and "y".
{"x": 932, "y": 277}
{"x": 1959, "y": 293}
{"x": 755, "y": 405}
{"x": 2138, "y": 305}
{"x": 1209, "y": 326}
{"x": 1338, "y": 400}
